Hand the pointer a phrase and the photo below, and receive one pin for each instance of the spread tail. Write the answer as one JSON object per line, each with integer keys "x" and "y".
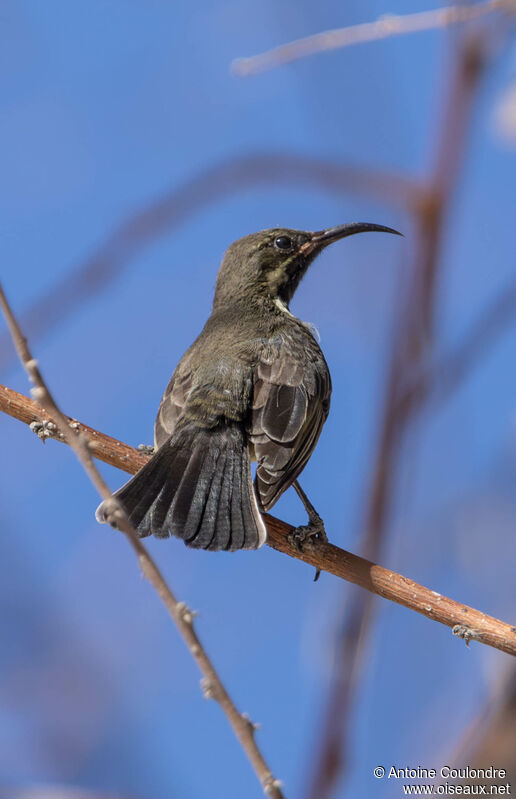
{"x": 197, "y": 487}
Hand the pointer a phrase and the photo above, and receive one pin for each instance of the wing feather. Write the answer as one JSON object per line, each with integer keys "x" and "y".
{"x": 291, "y": 401}
{"x": 172, "y": 404}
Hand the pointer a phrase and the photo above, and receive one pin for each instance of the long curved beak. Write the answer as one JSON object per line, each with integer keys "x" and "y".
{"x": 322, "y": 238}
{"x": 341, "y": 231}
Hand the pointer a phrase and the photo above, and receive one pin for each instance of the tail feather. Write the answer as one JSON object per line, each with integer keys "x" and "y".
{"x": 223, "y": 520}
{"x": 237, "y": 516}
{"x": 197, "y": 487}
{"x": 205, "y": 532}
{"x": 248, "y": 503}
{"x": 186, "y": 495}
{"x": 149, "y": 515}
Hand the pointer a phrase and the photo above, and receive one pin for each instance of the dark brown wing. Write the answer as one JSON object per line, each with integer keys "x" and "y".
{"x": 172, "y": 405}
{"x": 291, "y": 400}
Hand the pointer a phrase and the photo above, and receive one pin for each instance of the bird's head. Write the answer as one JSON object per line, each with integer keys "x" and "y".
{"x": 272, "y": 262}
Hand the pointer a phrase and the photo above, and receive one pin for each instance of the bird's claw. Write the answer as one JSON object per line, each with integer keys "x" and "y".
{"x": 302, "y": 537}
{"x": 307, "y": 536}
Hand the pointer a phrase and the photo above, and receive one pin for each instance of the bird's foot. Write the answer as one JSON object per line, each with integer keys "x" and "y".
{"x": 308, "y": 536}
{"x": 145, "y": 449}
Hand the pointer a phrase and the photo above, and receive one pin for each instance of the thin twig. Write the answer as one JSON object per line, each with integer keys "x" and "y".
{"x": 182, "y": 616}
{"x": 215, "y": 183}
{"x": 466, "y": 622}
{"x": 383, "y": 28}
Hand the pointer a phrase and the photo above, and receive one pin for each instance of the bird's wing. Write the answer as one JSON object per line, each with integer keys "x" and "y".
{"x": 172, "y": 405}
{"x": 206, "y": 388}
{"x": 291, "y": 400}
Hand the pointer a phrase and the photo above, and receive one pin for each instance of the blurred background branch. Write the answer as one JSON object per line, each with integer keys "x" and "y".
{"x": 440, "y": 380}
{"x": 492, "y": 739}
{"x": 83, "y": 283}
{"x": 388, "y": 25}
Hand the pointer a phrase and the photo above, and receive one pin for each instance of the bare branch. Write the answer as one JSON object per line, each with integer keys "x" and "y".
{"x": 219, "y": 181}
{"x": 466, "y": 622}
{"x": 182, "y": 616}
{"x": 383, "y": 28}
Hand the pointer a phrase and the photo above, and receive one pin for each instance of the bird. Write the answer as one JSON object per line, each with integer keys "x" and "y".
{"x": 253, "y": 387}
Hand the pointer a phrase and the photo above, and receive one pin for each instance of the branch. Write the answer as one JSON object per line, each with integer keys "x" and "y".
{"x": 466, "y": 622}
{"x": 79, "y": 440}
{"x": 214, "y": 183}
{"x": 388, "y": 25}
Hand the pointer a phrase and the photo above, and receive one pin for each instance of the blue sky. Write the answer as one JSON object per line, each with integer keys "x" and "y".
{"x": 105, "y": 108}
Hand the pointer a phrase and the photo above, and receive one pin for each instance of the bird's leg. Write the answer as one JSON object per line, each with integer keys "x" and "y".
{"x": 314, "y": 530}
{"x": 315, "y": 526}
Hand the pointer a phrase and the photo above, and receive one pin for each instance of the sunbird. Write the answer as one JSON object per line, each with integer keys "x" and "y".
{"x": 254, "y": 386}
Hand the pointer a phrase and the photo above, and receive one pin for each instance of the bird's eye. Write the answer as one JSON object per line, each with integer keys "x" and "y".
{"x": 283, "y": 243}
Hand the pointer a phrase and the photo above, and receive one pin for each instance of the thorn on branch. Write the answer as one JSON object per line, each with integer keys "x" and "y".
{"x": 184, "y": 613}
{"x": 37, "y": 392}
{"x": 207, "y": 688}
{"x": 44, "y": 429}
{"x": 146, "y": 449}
{"x": 252, "y": 725}
{"x": 467, "y": 633}
{"x": 271, "y": 784}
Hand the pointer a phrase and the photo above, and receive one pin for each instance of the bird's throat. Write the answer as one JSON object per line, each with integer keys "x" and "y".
{"x": 283, "y": 307}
